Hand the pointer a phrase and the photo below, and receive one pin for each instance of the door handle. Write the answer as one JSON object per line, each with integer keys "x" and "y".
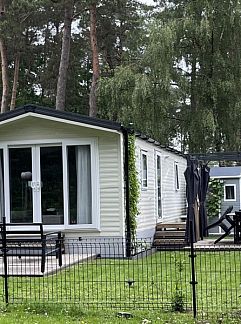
{"x": 35, "y": 185}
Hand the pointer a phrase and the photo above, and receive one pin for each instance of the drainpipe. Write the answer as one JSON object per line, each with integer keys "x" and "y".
{"x": 126, "y": 133}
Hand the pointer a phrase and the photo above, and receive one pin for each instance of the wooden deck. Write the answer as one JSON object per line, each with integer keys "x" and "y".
{"x": 172, "y": 235}
{"x": 224, "y": 245}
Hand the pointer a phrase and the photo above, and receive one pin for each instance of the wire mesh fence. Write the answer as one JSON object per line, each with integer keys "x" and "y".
{"x": 218, "y": 273}
{"x": 96, "y": 274}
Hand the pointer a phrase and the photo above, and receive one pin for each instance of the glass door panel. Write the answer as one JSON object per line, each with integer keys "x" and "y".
{"x": 51, "y": 170}
{"x": 20, "y": 180}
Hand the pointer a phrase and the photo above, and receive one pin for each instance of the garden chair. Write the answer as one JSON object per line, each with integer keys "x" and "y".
{"x": 225, "y": 222}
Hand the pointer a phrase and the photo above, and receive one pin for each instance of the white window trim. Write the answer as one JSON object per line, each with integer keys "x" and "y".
{"x": 176, "y": 176}
{"x": 142, "y": 186}
{"x": 94, "y": 184}
{"x": 229, "y": 185}
{"x": 93, "y": 142}
{"x": 158, "y": 154}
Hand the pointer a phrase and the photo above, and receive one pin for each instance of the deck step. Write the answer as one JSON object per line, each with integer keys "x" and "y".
{"x": 171, "y": 226}
{"x": 169, "y": 234}
{"x": 168, "y": 244}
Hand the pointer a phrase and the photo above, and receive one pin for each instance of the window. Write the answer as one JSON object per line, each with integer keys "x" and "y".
{"x": 80, "y": 191}
{"x": 158, "y": 186}
{"x": 56, "y": 183}
{"x": 230, "y": 192}
{"x": 143, "y": 170}
{"x": 177, "y": 187}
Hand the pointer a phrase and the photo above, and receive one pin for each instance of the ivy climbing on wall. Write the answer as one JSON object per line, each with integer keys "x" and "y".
{"x": 215, "y": 196}
{"x": 134, "y": 185}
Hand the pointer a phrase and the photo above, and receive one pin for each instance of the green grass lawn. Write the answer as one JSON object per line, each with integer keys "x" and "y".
{"x": 45, "y": 314}
{"x": 156, "y": 283}
{"x": 41, "y": 314}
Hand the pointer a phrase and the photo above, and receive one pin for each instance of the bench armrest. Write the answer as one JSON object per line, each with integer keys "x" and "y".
{"x": 52, "y": 233}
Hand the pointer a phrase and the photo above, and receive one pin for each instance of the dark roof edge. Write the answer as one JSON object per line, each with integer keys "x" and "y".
{"x": 75, "y": 117}
{"x": 62, "y": 115}
{"x": 164, "y": 147}
{"x": 217, "y": 156}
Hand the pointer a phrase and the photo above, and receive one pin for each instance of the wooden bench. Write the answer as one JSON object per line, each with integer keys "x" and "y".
{"x": 23, "y": 241}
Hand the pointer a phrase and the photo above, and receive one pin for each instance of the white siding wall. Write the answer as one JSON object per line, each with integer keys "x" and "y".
{"x": 173, "y": 201}
{"x": 111, "y": 186}
{"x": 110, "y": 165}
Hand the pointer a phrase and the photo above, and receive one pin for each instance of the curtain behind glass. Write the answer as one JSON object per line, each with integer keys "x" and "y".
{"x": 84, "y": 199}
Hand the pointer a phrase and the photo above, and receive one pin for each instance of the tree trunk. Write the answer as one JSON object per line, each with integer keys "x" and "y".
{"x": 193, "y": 85}
{"x": 5, "y": 82}
{"x": 15, "y": 81}
{"x": 193, "y": 106}
{"x": 95, "y": 62}
{"x": 64, "y": 61}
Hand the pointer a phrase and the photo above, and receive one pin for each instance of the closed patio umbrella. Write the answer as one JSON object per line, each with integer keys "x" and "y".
{"x": 204, "y": 180}
{"x": 192, "y": 188}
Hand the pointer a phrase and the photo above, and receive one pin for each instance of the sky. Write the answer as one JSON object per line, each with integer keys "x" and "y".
{"x": 150, "y": 2}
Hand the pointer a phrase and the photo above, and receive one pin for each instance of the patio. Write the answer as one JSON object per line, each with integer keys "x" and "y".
{"x": 224, "y": 245}
{"x": 31, "y": 266}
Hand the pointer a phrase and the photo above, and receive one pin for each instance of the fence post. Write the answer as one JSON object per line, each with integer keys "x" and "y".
{"x": 5, "y": 262}
{"x": 193, "y": 281}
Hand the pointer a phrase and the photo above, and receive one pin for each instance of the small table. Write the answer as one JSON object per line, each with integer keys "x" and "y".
{"x": 237, "y": 227}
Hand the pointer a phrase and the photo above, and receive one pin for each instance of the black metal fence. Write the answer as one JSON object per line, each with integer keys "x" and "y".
{"x": 96, "y": 274}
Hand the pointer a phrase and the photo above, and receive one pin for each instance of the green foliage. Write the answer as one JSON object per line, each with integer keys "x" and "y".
{"x": 178, "y": 297}
{"x": 174, "y": 72}
{"x": 134, "y": 186}
{"x": 178, "y": 301}
{"x": 140, "y": 92}
{"x": 215, "y": 196}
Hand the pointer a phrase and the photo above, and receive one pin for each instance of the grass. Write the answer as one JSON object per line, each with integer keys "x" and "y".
{"x": 109, "y": 286}
{"x": 134, "y": 284}
{"x": 45, "y": 314}
{"x": 41, "y": 314}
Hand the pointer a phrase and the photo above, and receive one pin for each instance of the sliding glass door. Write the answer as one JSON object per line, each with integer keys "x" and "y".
{"x": 56, "y": 184}
{"x": 51, "y": 173}
{"x": 36, "y": 184}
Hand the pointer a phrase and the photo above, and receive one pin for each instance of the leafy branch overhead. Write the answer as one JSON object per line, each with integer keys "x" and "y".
{"x": 174, "y": 72}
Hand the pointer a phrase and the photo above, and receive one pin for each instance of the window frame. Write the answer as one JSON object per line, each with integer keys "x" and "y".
{"x": 176, "y": 176}
{"x": 144, "y": 187}
{"x": 95, "y": 210}
{"x": 230, "y": 185}
{"x": 158, "y": 156}
{"x": 93, "y": 142}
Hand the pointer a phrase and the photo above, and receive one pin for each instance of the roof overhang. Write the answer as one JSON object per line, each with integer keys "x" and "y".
{"x": 216, "y": 156}
{"x": 59, "y": 116}
{"x": 226, "y": 177}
